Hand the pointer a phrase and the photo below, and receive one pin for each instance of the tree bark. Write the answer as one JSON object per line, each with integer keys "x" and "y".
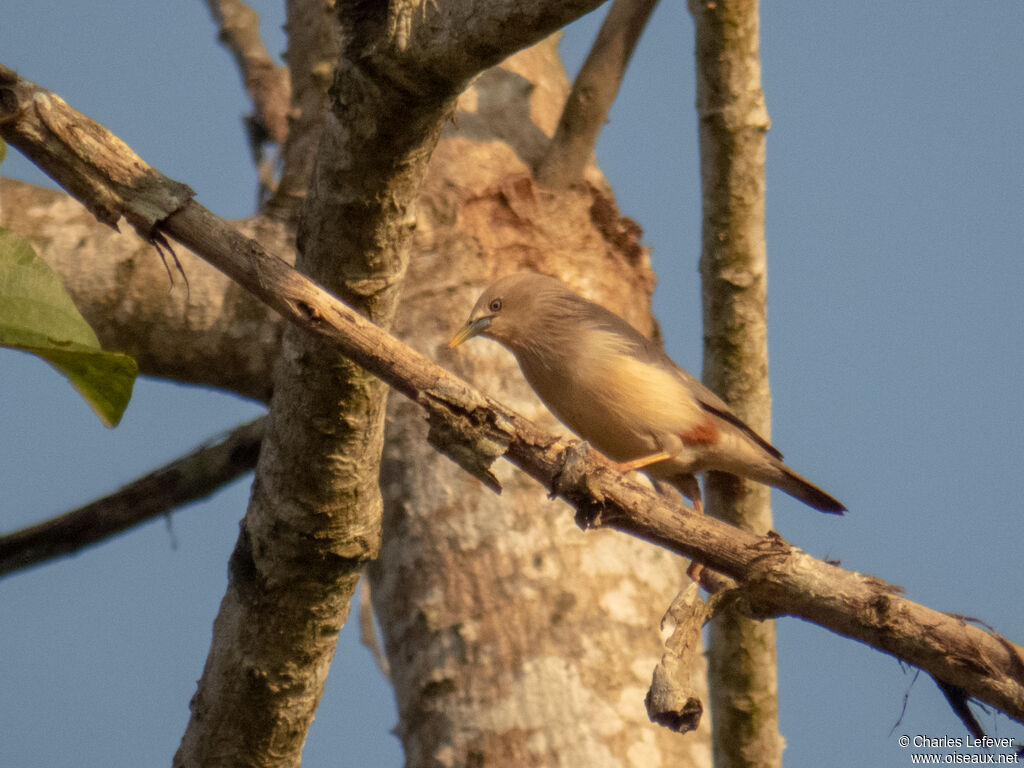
{"x": 504, "y": 624}
{"x": 314, "y": 515}
{"x": 733, "y": 120}
{"x": 268, "y": 85}
{"x": 314, "y": 46}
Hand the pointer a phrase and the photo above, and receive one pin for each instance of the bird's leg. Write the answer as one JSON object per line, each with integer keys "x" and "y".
{"x": 689, "y": 487}
{"x": 643, "y": 461}
{"x": 668, "y": 447}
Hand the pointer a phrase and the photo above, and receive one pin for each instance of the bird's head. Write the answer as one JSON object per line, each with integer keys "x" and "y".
{"x": 514, "y": 310}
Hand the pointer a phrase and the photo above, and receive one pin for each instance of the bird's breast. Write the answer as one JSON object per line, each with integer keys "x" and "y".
{"x": 622, "y": 405}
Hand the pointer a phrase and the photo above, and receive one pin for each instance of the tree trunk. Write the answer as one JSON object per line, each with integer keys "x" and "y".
{"x": 513, "y": 638}
{"x": 733, "y": 121}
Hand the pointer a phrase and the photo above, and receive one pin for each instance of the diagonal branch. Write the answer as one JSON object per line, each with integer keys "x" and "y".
{"x": 452, "y": 42}
{"x": 593, "y": 91}
{"x": 778, "y": 579}
{"x": 268, "y": 85}
{"x": 190, "y": 478}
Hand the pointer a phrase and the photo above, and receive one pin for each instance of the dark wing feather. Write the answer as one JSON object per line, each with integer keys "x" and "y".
{"x": 736, "y": 421}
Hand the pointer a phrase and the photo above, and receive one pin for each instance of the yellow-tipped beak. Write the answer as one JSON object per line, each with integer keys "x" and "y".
{"x": 469, "y": 330}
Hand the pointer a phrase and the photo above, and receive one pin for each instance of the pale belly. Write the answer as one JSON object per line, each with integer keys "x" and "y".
{"x": 626, "y": 411}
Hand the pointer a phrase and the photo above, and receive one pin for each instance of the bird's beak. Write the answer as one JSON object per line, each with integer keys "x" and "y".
{"x": 469, "y": 330}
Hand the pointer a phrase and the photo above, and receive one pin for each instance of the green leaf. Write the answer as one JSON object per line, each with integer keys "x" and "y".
{"x": 38, "y": 316}
{"x": 3, "y": 150}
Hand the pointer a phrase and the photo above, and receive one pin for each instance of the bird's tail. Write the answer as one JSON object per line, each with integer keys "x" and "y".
{"x": 789, "y": 481}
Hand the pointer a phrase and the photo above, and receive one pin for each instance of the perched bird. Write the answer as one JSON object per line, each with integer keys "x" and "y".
{"x": 618, "y": 391}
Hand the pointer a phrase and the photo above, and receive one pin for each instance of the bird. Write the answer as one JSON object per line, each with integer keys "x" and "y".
{"x": 620, "y": 392}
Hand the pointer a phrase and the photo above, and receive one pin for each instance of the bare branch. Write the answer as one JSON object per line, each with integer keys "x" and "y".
{"x": 190, "y": 478}
{"x": 741, "y": 653}
{"x": 593, "y": 92}
{"x": 268, "y": 85}
{"x": 778, "y": 579}
{"x": 672, "y": 700}
{"x": 446, "y": 44}
{"x": 314, "y": 46}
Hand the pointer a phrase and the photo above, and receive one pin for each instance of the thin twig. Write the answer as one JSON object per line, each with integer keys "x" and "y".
{"x": 368, "y": 631}
{"x": 202, "y": 472}
{"x": 958, "y": 702}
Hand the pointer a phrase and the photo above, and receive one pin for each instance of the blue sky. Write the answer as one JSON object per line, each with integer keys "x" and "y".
{"x": 896, "y": 277}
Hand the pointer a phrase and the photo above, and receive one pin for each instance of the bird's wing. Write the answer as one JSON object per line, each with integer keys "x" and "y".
{"x": 713, "y": 404}
{"x": 736, "y": 421}
{"x": 649, "y": 352}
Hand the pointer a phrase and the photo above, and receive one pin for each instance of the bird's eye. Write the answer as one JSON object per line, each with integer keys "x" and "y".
{"x": 495, "y": 305}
